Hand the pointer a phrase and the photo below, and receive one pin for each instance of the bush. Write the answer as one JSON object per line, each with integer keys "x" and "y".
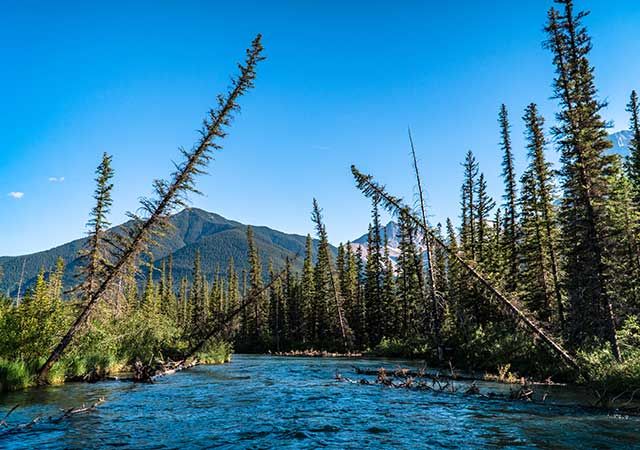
{"x": 14, "y": 375}
{"x": 216, "y": 352}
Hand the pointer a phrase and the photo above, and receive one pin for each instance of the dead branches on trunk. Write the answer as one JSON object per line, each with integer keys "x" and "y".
{"x": 395, "y": 205}
{"x": 5, "y": 428}
{"x": 170, "y": 194}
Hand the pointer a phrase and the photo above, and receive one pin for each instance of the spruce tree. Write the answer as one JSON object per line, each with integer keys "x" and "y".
{"x": 330, "y": 317}
{"x": 510, "y": 237}
{"x": 197, "y": 299}
{"x": 583, "y": 140}
{"x": 468, "y": 205}
{"x": 633, "y": 162}
{"x": 409, "y": 278}
{"x": 483, "y": 210}
{"x": 373, "y": 278}
{"x": 308, "y": 327}
{"x": 232, "y": 295}
{"x": 256, "y": 284}
{"x": 95, "y": 254}
{"x": 391, "y": 314}
{"x": 536, "y": 285}
{"x": 623, "y": 254}
{"x": 541, "y": 175}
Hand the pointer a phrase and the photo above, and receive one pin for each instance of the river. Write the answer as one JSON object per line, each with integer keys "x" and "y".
{"x": 277, "y": 402}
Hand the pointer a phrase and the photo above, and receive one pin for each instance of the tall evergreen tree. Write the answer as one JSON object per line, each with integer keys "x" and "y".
{"x": 198, "y": 299}
{"x": 510, "y": 237}
{"x": 583, "y": 139}
{"x": 468, "y": 205}
{"x": 308, "y": 327}
{"x": 260, "y": 305}
{"x": 328, "y": 298}
{"x": 633, "y": 162}
{"x": 95, "y": 255}
{"x": 409, "y": 279}
{"x": 483, "y": 210}
{"x": 542, "y": 207}
{"x": 373, "y": 278}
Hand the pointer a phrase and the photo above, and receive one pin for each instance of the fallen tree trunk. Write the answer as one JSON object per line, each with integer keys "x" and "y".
{"x": 170, "y": 194}
{"x": 189, "y": 359}
{"x": 369, "y": 187}
{"x": 5, "y": 428}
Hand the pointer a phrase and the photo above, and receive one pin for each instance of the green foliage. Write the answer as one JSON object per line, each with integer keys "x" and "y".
{"x": 215, "y": 352}
{"x": 14, "y": 375}
{"x": 402, "y": 348}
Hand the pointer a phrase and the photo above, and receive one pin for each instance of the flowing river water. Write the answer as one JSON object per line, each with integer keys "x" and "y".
{"x": 278, "y": 402}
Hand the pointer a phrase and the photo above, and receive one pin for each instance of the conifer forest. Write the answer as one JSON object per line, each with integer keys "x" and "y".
{"x": 540, "y": 284}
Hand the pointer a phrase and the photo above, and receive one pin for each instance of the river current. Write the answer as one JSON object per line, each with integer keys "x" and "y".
{"x": 278, "y": 402}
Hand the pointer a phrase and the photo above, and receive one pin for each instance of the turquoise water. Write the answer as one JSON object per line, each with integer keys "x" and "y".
{"x": 271, "y": 402}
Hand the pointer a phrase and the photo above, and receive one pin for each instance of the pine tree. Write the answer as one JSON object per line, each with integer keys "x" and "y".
{"x": 149, "y": 298}
{"x": 540, "y": 174}
{"x": 360, "y": 308}
{"x": 260, "y": 305}
{"x": 633, "y": 162}
{"x": 197, "y": 299}
{"x": 391, "y": 313}
{"x": 332, "y": 324}
{"x": 232, "y": 295}
{"x": 468, "y": 205}
{"x": 56, "y": 280}
{"x": 95, "y": 255}
{"x": 582, "y": 137}
{"x": 184, "y": 310}
{"x": 277, "y": 309}
{"x": 409, "y": 279}
{"x": 308, "y": 327}
{"x": 623, "y": 254}
{"x": 484, "y": 207}
{"x": 373, "y": 279}
{"x": 536, "y": 285}
{"x": 510, "y": 237}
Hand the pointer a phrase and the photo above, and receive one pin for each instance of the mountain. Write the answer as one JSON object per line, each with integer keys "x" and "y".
{"x": 392, "y": 231}
{"x": 194, "y": 229}
{"x": 620, "y": 141}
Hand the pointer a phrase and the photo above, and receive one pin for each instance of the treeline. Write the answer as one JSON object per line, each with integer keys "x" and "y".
{"x": 563, "y": 245}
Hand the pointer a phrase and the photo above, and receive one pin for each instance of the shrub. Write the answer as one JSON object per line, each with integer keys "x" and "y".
{"x": 14, "y": 375}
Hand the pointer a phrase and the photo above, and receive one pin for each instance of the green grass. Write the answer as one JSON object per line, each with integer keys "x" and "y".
{"x": 15, "y": 375}
{"x": 215, "y": 353}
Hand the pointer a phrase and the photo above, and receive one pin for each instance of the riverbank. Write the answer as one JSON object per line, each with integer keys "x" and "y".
{"x": 19, "y": 374}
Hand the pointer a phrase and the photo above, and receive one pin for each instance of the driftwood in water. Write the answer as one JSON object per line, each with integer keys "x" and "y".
{"x": 311, "y": 353}
{"x": 369, "y": 187}
{"x": 5, "y": 428}
{"x": 423, "y": 373}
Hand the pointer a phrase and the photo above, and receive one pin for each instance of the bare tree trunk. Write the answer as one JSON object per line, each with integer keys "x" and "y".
{"x": 169, "y": 196}
{"x": 427, "y": 240}
{"x": 370, "y": 187}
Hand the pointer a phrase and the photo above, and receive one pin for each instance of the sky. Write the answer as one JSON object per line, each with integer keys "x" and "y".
{"x": 341, "y": 84}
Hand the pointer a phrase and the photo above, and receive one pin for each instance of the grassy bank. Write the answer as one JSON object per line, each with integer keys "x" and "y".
{"x": 18, "y": 374}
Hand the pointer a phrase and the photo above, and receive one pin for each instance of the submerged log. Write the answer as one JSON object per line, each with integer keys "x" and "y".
{"x": 66, "y": 414}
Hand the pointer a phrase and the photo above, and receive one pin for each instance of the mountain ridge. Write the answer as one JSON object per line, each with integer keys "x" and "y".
{"x": 217, "y": 238}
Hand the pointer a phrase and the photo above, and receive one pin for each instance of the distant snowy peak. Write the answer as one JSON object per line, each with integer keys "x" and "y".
{"x": 620, "y": 141}
{"x": 392, "y": 231}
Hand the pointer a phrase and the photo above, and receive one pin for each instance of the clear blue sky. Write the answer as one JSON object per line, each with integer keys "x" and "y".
{"x": 340, "y": 86}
